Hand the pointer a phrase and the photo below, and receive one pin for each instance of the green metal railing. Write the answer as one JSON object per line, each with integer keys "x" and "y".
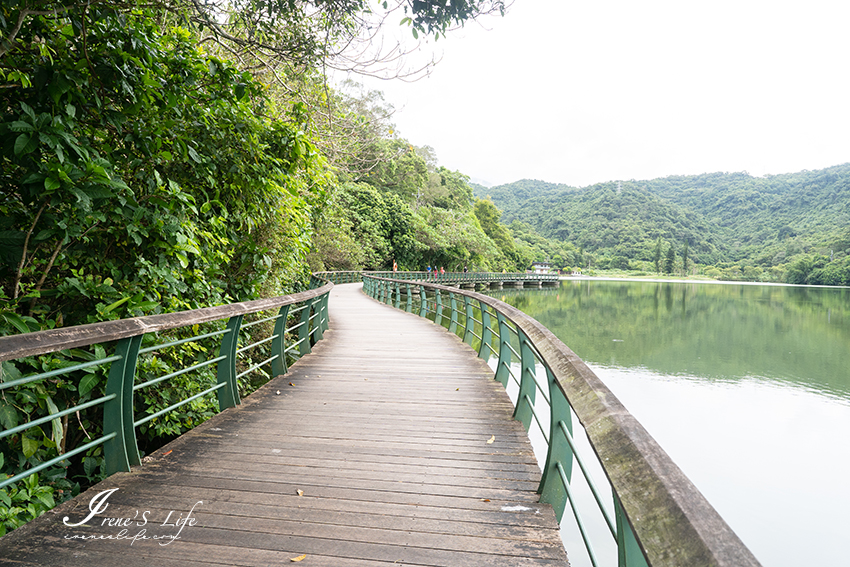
{"x": 650, "y": 510}
{"x": 301, "y": 318}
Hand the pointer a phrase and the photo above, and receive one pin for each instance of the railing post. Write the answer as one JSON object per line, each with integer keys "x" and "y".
{"x": 527, "y": 384}
{"x": 326, "y": 319}
{"x": 469, "y": 322}
{"x": 438, "y": 318}
{"x": 453, "y": 322}
{"x": 505, "y": 354}
{"x": 397, "y": 295}
{"x": 552, "y": 489}
{"x": 321, "y": 318}
{"x": 409, "y": 298}
{"x": 486, "y": 333}
{"x": 228, "y": 396}
{"x": 628, "y": 549}
{"x": 316, "y": 327}
{"x": 121, "y": 452}
{"x": 423, "y": 306}
{"x": 278, "y": 346}
{"x": 304, "y": 329}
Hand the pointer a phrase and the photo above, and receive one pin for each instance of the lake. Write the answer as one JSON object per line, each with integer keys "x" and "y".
{"x": 747, "y": 388}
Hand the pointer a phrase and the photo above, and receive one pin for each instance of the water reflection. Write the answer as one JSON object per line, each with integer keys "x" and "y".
{"x": 714, "y": 332}
{"x": 746, "y": 387}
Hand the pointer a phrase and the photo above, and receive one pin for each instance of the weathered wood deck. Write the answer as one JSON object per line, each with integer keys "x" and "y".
{"x": 370, "y": 451}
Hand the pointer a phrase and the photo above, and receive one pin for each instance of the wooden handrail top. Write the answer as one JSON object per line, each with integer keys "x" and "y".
{"x": 661, "y": 502}
{"x": 42, "y": 342}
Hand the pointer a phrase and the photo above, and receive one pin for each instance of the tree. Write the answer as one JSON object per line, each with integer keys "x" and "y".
{"x": 488, "y": 217}
{"x": 352, "y": 126}
{"x": 398, "y": 169}
{"x": 685, "y": 258}
{"x": 656, "y": 257}
{"x": 670, "y": 261}
{"x": 272, "y": 33}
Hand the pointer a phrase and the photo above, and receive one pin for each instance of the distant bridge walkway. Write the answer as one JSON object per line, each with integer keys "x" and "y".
{"x": 469, "y": 280}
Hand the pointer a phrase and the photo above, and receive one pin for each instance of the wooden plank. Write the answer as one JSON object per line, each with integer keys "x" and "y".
{"x": 316, "y": 472}
{"x": 447, "y": 467}
{"x": 377, "y": 455}
{"x": 492, "y": 516}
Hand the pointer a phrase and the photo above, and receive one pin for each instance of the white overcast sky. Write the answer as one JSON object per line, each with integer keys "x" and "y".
{"x": 585, "y": 92}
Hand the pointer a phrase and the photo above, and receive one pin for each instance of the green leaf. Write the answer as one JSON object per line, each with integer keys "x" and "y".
{"x": 28, "y": 110}
{"x": 21, "y": 126}
{"x": 90, "y": 466}
{"x": 30, "y": 446}
{"x": 16, "y": 321}
{"x": 194, "y": 155}
{"x": 58, "y": 430}
{"x": 25, "y": 144}
{"x": 239, "y": 91}
{"x": 87, "y": 384}
{"x": 51, "y": 184}
{"x": 46, "y": 498}
{"x": 9, "y": 372}
{"x": 27, "y": 397}
{"x": 118, "y": 303}
{"x": 2, "y": 462}
{"x": 82, "y": 197}
{"x": 9, "y": 416}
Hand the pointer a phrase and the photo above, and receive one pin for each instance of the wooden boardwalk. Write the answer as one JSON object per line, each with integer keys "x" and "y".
{"x": 371, "y": 451}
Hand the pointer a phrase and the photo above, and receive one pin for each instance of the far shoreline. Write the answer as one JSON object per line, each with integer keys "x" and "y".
{"x": 700, "y": 281}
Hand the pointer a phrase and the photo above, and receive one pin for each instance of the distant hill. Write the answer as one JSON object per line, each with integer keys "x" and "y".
{"x": 725, "y": 217}
{"x": 511, "y": 196}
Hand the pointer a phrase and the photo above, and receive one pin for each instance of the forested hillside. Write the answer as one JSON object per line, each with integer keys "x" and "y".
{"x": 790, "y": 227}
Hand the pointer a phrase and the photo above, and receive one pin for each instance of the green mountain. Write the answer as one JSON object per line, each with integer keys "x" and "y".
{"x": 724, "y": 217}
{"x": 806, "y": 210}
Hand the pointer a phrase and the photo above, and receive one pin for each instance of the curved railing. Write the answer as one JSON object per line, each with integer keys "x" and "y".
{"x": 301, "y": 317}
{"x": 653, "y": 512}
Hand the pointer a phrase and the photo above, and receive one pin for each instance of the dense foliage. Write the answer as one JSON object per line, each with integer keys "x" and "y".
{"x": 138, "y": 175}
{"x": 732, "y": 225}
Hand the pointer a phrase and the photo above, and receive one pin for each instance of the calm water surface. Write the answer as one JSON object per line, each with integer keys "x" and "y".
{"x": 747, "y": 387}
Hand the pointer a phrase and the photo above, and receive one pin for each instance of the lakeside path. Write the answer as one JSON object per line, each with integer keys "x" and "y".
{"x": 372, "y": 451}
